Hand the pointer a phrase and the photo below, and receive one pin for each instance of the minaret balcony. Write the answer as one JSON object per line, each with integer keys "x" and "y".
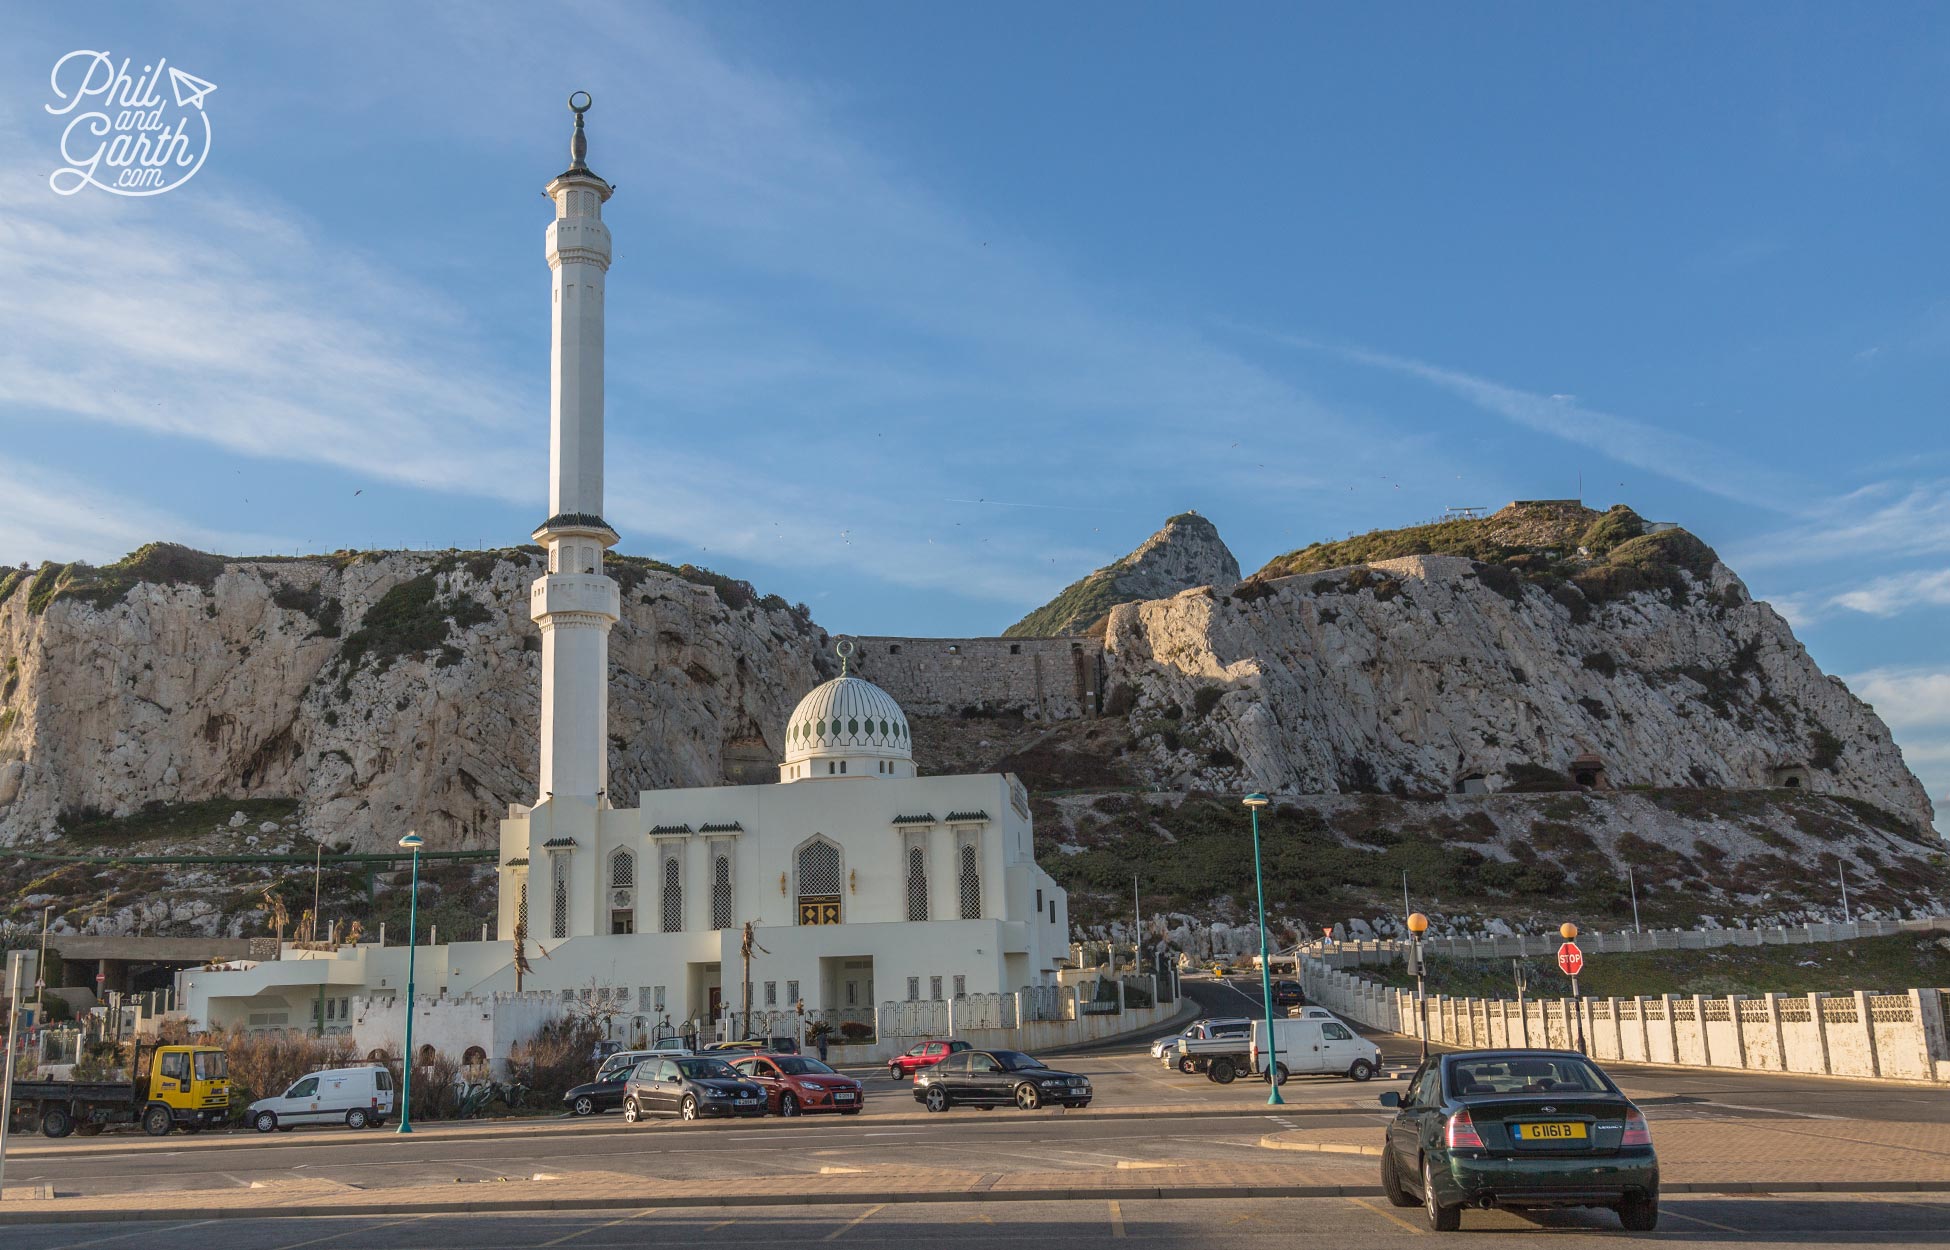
{"x": 574, "y": 592}
{"x": 573, "y": 239}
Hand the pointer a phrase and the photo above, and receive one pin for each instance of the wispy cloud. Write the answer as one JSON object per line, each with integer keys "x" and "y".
{"x": 1887, "y": 596}
{"x": 1678, "y": 457}
{"x": 1915, "y": 704}
{"x": 1882, "y": 521}
{"x": 45, "y": 511}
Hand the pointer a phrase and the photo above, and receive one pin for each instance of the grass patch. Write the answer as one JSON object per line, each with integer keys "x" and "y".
{"x": 88, "y": 830}
{"x": 1887, "y": 964}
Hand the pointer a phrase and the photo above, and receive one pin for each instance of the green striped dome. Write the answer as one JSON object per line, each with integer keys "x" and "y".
{"x": 847, "y": 716}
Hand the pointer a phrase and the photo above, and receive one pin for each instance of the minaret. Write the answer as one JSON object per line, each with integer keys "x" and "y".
{"x": 574, "y": 603}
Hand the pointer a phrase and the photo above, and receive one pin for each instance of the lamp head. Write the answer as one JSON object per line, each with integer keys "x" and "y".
{"x": 1568, "y": 929}
{"x": 1255, "y": 799}
{"x": 412, "y": 841}
{"x": 1418, "y": 924}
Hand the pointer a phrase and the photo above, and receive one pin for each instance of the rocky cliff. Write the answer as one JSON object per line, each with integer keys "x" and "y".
{"x": 1187, "y": 552}
{"x": 1565, "y": 646}
{"x": 384, "y": 691}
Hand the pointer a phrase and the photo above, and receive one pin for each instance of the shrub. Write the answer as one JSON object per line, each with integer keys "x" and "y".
{"x": 1123, "y": 697}
{"x": 1619, "y": 525}
{"x": 1600, "y": 662}
{"x": 556, "y": 1060}
{"x": 1502, "y": 580}
{"x": 1527, "y": 778}
{"x": 1206, "y": 698}
{"x": 1824, "y": 750}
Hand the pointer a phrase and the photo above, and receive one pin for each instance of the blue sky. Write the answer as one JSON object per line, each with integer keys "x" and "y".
{"x": 919, "y": 312}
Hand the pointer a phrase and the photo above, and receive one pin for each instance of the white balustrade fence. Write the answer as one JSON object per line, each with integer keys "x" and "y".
{"x": 1866, "y": 1034}
{"x": 1377, "y": 952}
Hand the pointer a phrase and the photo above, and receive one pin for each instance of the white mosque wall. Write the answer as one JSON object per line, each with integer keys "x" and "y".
{"x": 452, "y": 1026}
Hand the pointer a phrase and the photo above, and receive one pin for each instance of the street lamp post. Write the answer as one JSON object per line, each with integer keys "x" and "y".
{"x": 413, "y": 842}
{"x": 1570, "y": 933}
{"x": 1254, "y": 802}
{"x": 1418, "y": 924}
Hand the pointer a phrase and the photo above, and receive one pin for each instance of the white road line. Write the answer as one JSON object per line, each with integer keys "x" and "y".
{"x": 1725, "y": 1228}
{"x": 1805, "y": 1115}
{"x": 347, "y": 1232}
{"x": 596, "y": 1228}
{"x": 857, "y": 1220}
{"x": 99, "y": 1241}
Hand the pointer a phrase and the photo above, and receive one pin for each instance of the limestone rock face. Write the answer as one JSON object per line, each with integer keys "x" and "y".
{"x": 1187, "y": 552}
{"x": 1432, "y": 674}
{"x": 386, "y": 692}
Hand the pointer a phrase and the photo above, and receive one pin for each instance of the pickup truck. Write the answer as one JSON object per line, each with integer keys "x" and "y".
{"x": 186, "y": 1087}
{"x": 1167, "y": 1048}
{"x": 1229, "y": 1054}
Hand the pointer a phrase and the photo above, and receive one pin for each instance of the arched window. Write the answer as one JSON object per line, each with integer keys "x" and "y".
{"x": 558, "y": 871}
{"x": 819, "y": 883}
{"x": 673, "y": 897}
{"x": 917, "y": 884}
{"x": 971, "y": 885}
{"x": 622, "y": 892}
{"x": 721, "y": 917}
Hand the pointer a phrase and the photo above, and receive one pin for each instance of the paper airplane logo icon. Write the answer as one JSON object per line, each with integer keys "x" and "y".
{"x": 189, "y": 89}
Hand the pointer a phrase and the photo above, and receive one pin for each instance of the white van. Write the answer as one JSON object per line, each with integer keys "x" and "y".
{"x": 1316, "y": 1046}
{"x": 354, "y": 1097}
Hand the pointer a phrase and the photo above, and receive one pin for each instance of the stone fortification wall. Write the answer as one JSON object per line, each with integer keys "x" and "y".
{"x": 1041, "y": 678}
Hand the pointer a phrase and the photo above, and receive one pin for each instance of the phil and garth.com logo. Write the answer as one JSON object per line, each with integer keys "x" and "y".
{"x": 130, "y": 140}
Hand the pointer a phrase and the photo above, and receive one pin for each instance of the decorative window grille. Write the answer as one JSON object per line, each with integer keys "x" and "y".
{"x": 558, "y": 872}
{"x": 721, "y": 891}
{"x": 657, "y": 997}
{"x": 771, "y": 993}
{"x": 961, "y": 986}
{"x": 521, "y": 909}
{"x": 622, "y": 871}
{"x": 622, "y": 892}
{"x": 643, "y": 998}
{"x": 673, "y": 897}
{"x": 792, "y": 991}
{"x": 971, "y": 885}
{"x": 913, "y": 989}
{"x": 819, "y": 883}
{"x": 917, "y": 884}
{"x": 934, "y": 989}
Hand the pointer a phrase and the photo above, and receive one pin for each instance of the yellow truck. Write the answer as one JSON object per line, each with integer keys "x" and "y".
{"x": 186, "y": 1087}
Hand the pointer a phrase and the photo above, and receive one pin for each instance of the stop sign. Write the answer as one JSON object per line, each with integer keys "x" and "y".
{"x": 1570, "y": 959}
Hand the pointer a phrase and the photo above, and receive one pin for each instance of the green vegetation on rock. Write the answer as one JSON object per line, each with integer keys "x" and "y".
{"x": 162, "y": 564}
{"x": 411, "y": 618}
{"x": 88, "y": 831}
{"x": 1086, "y": 599}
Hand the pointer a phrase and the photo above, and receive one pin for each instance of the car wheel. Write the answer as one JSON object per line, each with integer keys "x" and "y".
{"x": 56, "y": 1123}
{"x": 1361, "y": 1071}
{"x": 687, "y": 1109}
{"x": 1222, "y": 1071}
{"x": 1028, "y": 1097}
{"x": 1391, "y": 1179}
{"x": 937, "y": 1099}
{"x": 1279, "y": 1074}
{"x": 156, "y": 1122}
{"x": 1639, "y": 1213}
{"x": 584, "y": 1105}
{"x": 631, "y": 1114}
{"x": 1187, "y": 1065}
{"x": 357, "y": 1118}
{"x": 893, "y": 1072}
{"x": 788, "y": 1105}
{"x": 1442, "y": 1219}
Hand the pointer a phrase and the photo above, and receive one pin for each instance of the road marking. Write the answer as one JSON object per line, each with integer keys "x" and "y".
{"x": 857, "y": 1220}
{"x": 1725, "y": 1228}
{"x": 1804, "y": 1115}
{"x": 596, "y": 1228}
{"x": 720, "y": 1224}
{"x": 1116, "y": 1218}
{"x": 347, "y": 1232}
{"x": 1390, "y": 1216}
{"x": 75, "y": 1245}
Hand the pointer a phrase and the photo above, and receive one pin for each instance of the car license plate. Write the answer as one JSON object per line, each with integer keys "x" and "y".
{"x": 1550, "y": 1132}
{"x": 842, "y": 1098}
{"x": 746, "y": 1098}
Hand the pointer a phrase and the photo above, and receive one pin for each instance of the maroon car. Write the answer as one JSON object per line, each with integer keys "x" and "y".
{"x": 926, "y": 1055}
{"x": 801, "y": 1085}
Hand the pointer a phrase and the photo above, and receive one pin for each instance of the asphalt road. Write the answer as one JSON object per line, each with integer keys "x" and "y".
{"x": 1843, "y": 1220}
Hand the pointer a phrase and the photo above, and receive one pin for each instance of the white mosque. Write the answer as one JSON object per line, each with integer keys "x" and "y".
{"x": 862, "y": 880}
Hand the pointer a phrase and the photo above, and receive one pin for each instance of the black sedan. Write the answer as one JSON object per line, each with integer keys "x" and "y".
{"x": 1518, "y": 1129}
{"x": 597, "y": 1096}
{"x": 997, "y": 1078}
{"x": 690, "y": 1088}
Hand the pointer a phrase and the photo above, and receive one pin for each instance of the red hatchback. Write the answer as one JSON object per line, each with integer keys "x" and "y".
{"x": 800, "y": 1085}
{"x": 926, "y": 1055}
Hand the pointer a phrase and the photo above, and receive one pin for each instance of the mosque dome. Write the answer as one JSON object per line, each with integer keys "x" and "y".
{"x": 852, "y": 725}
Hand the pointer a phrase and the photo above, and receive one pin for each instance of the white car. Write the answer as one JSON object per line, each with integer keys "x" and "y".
{"x": 354, "y": 1097}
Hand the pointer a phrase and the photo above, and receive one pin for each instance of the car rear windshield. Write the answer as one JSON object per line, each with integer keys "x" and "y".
{"x": 701, "y": 1067}
{"x": 793, "y": 1065}
{"x": 211, "y": 1065}
{"x": 1015, "y": 1060}
{"x": 1525, "y": 1074}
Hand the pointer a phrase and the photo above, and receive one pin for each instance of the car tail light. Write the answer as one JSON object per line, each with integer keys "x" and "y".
{"x": 1462, "y": 1132}
{"x": 1637, "y": 1132}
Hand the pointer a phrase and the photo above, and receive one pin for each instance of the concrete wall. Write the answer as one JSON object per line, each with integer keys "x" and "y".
{"x": 1863, "y": 1034}
{"x": 451, "y": 1025}
{"x": 1042, "y": 678}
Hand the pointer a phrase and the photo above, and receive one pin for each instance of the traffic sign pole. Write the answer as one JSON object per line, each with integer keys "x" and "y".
{"x": 1571, "y": 961}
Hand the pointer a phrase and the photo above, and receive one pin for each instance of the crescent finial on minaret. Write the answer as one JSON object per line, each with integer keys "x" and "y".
{"x": 579, "y": 145}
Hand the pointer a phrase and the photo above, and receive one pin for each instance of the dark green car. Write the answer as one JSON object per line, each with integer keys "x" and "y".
{"x": 1518, "y": 1129}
